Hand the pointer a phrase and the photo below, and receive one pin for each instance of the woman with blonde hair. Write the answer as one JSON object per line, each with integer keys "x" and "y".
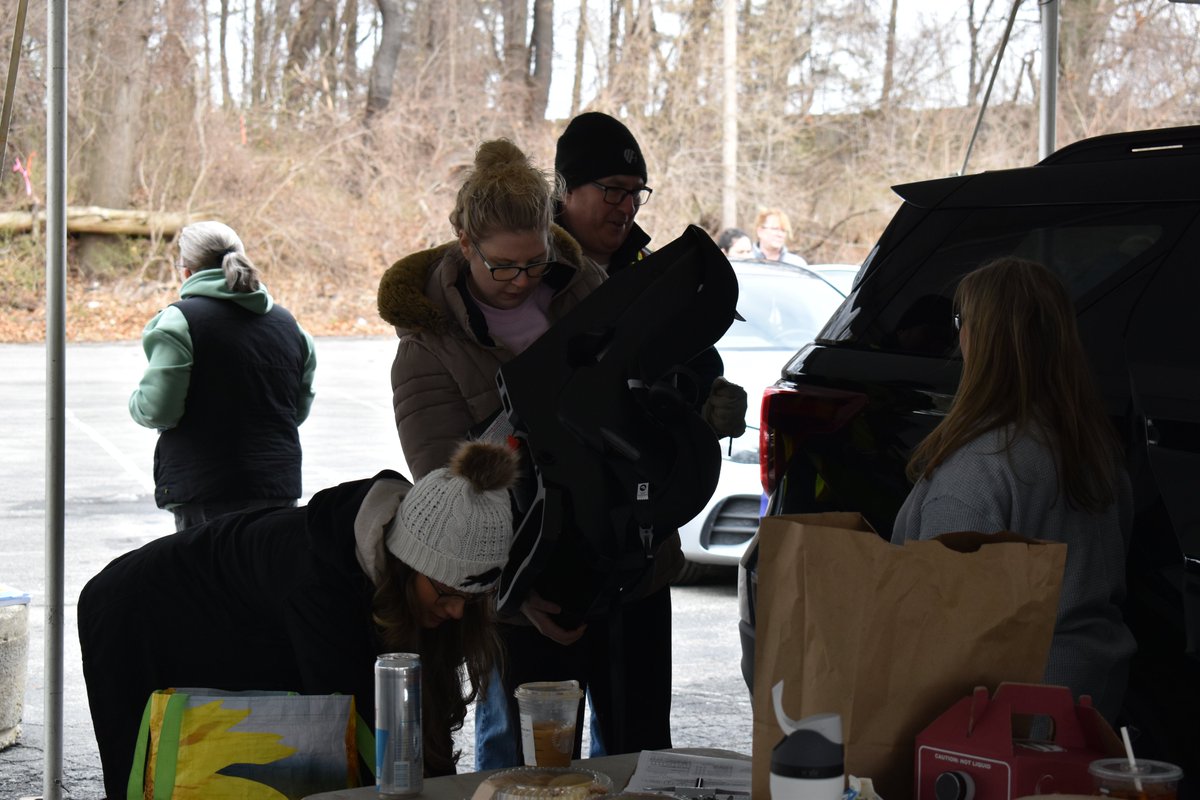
{"x": 464, "y": 308}
{"x": 773, "y": 230}
{"x": 1027, "y": 447}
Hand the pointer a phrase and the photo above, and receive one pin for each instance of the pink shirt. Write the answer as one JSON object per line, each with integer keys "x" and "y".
{"x": 517, "y": 328}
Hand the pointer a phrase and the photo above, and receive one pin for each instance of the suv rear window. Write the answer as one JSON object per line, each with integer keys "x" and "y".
{"x": 1092, "y": 248}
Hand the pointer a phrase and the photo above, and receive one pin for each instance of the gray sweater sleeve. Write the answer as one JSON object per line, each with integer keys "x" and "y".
{"x": 971, "y": 491}
{"x": 947, "y": 511}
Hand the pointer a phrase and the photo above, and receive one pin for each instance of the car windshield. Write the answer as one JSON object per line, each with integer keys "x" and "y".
{"x": 784, "y": 309}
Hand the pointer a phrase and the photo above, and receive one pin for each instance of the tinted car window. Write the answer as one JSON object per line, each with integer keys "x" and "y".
{"x": 1092, "y": 248}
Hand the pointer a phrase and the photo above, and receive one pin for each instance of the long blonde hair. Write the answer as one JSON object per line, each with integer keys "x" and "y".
{"x": 1026, "y": 371}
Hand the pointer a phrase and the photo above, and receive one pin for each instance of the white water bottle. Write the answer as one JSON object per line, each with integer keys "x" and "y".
{"x": 808, "y": 763}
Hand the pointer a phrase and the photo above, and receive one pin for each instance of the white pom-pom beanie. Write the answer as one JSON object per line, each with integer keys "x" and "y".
{"x": 453, "y": 532}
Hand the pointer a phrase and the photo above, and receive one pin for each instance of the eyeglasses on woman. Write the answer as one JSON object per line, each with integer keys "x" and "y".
{"x": 508, "y": 272}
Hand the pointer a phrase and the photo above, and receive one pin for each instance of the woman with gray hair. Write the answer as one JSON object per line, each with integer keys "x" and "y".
{"x": 228, "y": 383}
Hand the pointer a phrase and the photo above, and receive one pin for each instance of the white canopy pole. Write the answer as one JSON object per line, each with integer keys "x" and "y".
{"x": 729, "y": 138}
{"x": 56, "y": 251}
{"x": 1049, "y": 104}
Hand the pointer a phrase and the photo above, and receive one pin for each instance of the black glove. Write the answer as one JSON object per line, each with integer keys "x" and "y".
{"x": 725, "y": 409}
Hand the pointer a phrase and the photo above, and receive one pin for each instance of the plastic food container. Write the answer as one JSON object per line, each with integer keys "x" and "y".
{"x": 1149, "y": 780}
{"x": 562, "y": 783}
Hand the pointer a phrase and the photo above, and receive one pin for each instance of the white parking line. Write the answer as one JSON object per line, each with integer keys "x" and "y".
{"x": 131, "y": 469}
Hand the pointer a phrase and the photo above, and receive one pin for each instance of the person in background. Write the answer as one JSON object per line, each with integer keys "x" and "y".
{"x": 773, "y": 230}
{"x": 604, "y": 174}
{"x": 1027, "y": 447}
{"x": 227, "y": 385}
{"x": 735, "y": 244}
{"x": 304, "y": 599}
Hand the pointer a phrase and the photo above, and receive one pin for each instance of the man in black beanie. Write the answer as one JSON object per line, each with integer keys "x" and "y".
{"x": 622, "y": 658}
{"x": 605, "y": 175}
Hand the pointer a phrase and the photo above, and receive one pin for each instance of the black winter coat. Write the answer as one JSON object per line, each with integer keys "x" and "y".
{"x": 263, "y": 600}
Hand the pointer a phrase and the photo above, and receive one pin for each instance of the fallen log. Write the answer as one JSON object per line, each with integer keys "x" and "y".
{"x": 93, "y": 219}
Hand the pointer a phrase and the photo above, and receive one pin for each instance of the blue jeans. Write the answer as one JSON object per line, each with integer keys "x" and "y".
{"x": 497, "y": 734}
{"x": 622, "y": 661}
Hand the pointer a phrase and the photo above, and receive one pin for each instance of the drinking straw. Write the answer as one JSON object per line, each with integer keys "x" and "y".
{"x": 1137, "y": 782}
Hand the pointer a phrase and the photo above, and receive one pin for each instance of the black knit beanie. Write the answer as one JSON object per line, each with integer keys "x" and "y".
{"x": 595, "y": 145}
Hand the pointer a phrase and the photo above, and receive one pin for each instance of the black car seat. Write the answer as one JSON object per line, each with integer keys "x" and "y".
{"x": 608, "y": 413}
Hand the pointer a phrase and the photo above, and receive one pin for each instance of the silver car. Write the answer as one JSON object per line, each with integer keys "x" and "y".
{"x": 784, "y": 307}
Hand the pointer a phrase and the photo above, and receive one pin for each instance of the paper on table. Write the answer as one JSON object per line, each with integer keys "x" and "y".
{"x": 691, "y": 776}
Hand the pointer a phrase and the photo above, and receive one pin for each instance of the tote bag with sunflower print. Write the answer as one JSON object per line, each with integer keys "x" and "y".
{"x": 206, "y": 744}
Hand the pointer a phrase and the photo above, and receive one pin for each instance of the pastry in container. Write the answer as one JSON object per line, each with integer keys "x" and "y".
{"x": 562, "y": 783}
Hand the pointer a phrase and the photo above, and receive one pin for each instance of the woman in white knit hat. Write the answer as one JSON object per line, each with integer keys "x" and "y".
{"x": 304, "y": 599}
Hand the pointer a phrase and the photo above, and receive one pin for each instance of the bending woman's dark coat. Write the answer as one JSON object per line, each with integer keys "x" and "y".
{"x": 266, "y": 600}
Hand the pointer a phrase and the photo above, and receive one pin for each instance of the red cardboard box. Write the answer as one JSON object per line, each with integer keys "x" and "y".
{"x": 970, "y": 753}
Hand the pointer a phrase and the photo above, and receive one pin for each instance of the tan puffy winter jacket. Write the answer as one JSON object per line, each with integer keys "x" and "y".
{"x": 444, "y": 375}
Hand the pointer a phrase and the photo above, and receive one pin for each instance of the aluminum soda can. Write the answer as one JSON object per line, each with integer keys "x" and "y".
{"x": 399, "y": 761}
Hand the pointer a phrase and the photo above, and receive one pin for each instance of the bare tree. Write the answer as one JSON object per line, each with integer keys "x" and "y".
{"x": 514, "y": 83}
{"x": 581, "y": 32}
{"x": 146, "y": 136}
{"x": 304, "y": 40}
{"x": 542, "y": 47}
{"x": 121, "y": 75}
{"x": 1083, "y": 27}
{"x": 889, "y": 60}
{"x": 350, "y": 44}
{"x": 258, "y": 53}
{"x": 383, "y": 69}
{"x": 694, "y": 63}
{"x": 632, "y": 72}
{"x": 223, "y": 33}
{"x": 283, "y": 20}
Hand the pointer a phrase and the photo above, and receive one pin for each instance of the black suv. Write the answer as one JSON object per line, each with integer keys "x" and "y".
{"x": 1118, "y": 218}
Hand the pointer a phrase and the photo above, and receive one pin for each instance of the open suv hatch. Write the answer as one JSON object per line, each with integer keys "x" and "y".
{"x": 1118, "y": 218}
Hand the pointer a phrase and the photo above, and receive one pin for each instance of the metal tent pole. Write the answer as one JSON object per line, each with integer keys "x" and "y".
{"x": 1012, "y": 17}
{"x": 10, "y": 89}
{"x": 56, "y": 250}
{"x": 729, "y": 138}
{"x": 1049, "y": 99}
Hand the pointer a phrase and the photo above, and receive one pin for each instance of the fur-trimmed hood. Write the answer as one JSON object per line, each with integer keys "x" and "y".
{"x": 404, "y": 299}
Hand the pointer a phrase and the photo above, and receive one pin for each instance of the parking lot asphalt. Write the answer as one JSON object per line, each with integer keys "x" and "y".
{"x": 109, "y": 510}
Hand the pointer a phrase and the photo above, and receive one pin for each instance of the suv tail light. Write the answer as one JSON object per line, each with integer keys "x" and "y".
{"x": 791, "y": 415}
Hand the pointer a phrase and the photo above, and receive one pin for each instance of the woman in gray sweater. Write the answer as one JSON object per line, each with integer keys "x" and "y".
{"x": 1027, "y": 447}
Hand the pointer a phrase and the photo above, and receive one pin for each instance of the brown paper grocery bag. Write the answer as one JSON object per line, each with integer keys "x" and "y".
{"x": 890, "y": 636}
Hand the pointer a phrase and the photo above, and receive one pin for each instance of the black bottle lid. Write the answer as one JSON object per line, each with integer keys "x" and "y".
{"x": 808, "y": 755}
